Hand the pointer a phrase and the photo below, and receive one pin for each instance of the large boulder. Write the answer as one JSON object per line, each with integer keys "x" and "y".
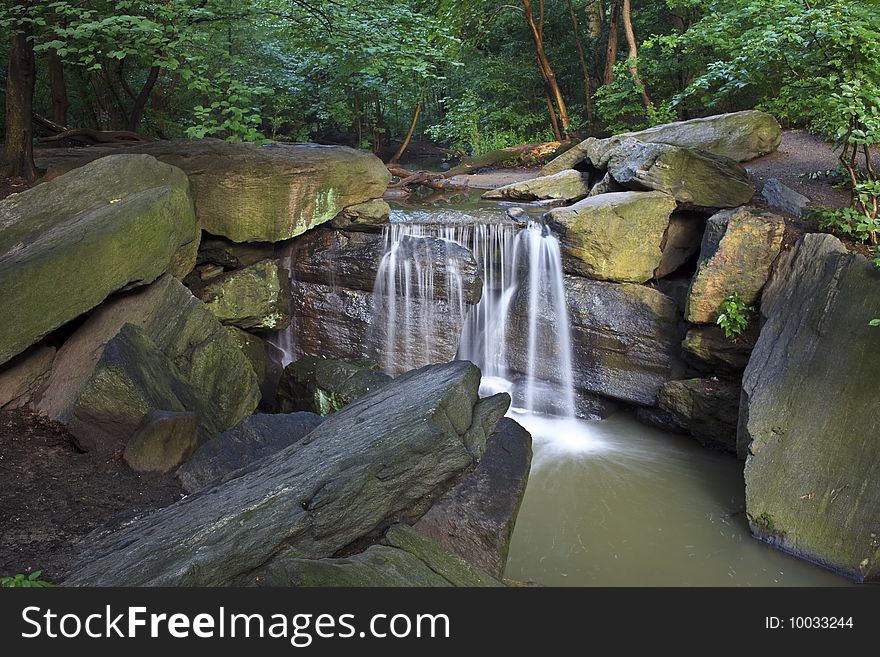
{"x": 324, "y": 385}
{"x": 567, "y": 185}
{"x": 255, "y": 297}
{"x": 616, "y": 237}
{"x": 267, "y": 193}
{"x": 404, "y": 558}
{"x": 475, "y": 520}
{"x": 67, "y": 244}
{"x": 739, "y": 136}
{"x": 693, "y": 178}
{"x": 155, "y": 348}
{"x": 625, "y": 339}
{"x": 808, "y": 419}
{"x": 372, "y": 461}
{"x": 367, "y": 216}
{"x": 738, "y": 248}
{"x": 162, "y": 441}
{"x": 255, "y": 437}
{"x": 707, "y": 409}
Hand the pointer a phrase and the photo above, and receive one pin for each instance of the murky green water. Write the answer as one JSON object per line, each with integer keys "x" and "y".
{"x": 615, "y": 503}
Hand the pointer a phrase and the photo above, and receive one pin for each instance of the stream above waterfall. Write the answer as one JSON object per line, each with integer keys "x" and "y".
{"x": 609, "y": 502}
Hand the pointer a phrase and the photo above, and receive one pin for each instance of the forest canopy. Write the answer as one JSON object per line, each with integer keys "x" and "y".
{"x": 472, "y": 75}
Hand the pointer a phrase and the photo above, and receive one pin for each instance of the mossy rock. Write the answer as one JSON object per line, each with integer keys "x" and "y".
{"x": 255, "y": 297}
{"x": 67, "y": 244}
{"x": 325, "y": 385}
{"x": 567, "y": 185}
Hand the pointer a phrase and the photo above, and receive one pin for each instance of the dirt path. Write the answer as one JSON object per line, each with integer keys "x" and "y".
{"x": 53, "y": 494}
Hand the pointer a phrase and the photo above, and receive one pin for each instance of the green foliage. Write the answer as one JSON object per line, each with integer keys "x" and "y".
{"x": 25, "y": 581}
{"x": 847, "y": 222}
{"x": 734, "y": 316}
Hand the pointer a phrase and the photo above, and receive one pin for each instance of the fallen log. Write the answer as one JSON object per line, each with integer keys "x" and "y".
{"x": 90, "y": 136}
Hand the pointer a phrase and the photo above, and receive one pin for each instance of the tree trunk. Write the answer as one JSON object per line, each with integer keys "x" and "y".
{"x": 18, "y": 147}
{"x": 611, "y": 50}
{"x": 57, "y": 84}
{"x": 544, "y": 63}
{"x": 553, "y": 120}
{"x": 409, "y": 133}
{"x": 588, "y": 86}
{"x": 594, "y": 19}
{"x": 137, "y": 110}
{"x": 633, "y": 52}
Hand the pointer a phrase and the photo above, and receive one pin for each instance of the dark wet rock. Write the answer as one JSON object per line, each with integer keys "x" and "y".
{"x": 154, "y": 348}
{"x": 707, "y": 409}
{"x": 162, "y": 441}
{"x": 325, "y": 385}
{"x": 475, "y": 519}
{"x": 363, "y": 466}
{"x": 709, "y": 350}
{"x": 65, "y": 245}
{"x": 265, "y": 358}
{"x": 404, "y": 558}
{"x": 253, "y": 438}
{"x": 738, "y": 248}
{"x": 784, "y": 198}
{"x": 232, "y": 255}
{"x": 808, "y": 419}
{"x": 681, "y": 242}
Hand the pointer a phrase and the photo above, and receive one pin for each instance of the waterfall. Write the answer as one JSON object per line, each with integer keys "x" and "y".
{"x": 511, "y": 259}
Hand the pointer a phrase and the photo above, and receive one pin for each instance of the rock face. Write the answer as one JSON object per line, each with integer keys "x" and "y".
{"x": 567, "y": 185}
{"x": 784, "y": 198}
{"x": 475, "y": 520}
{"x": 255, "y": 297}
{"x": 570, "y": 159}
{"x": 325, "y": 385}
{"x": 404, "y": 558}
{"x": 367, "y": 216}
{"x": 615, "y": 237}
{"x": 739, "y": 136}
{"x": 24, "y": 377}
{"x": 269, "y": 193}
{"x": 162, "y": 441}
{"x": 156, "y": 348}
{"x": 265, "y": 358}
{"x": 371, "y": 461}
{"x": 692, "y": 177}
{"x": 625, "y": 339}
{"x": 738, "y": 248}
{"x": 705, "y": 408}
{"x": 63, "y": 250}
{"x": 807, "y": 417}
{"x": 708, "y": 349}
{"x": 681, "y": 241}
{"x": 255, "y": 437}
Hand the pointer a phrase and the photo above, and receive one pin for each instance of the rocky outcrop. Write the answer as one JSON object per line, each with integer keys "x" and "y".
{"x": 778, "y": 196}
{"x": 155, "y": 348}
{"x": 705, "y": 408}
{"x": 67, "y": 244}
{"x": 372, "y": 461}
{"x": 267, "y": 193}
{"x": 739, "y": 136}
{"x": 162, "y": 441}
{"x": 475, "y": 520}
{"x": 255, "y": 297}
{"x": 808, "y": 419}
{"x": 404, "y": 558}
{"x": 738, "y": 248}
{"x": 367, "y": 216}
{"x": 325, "y": 385}
{"x": 707, "y": 349}
{"x": 692, "y": 177}
{"x": 616, "y": 237}
{"x": 567, "y": 185}
{"x": 252, "y": 439}
{"x": 625, "y": 339}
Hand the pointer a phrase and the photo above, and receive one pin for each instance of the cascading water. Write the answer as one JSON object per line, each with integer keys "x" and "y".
{"x": 512, "y": 259}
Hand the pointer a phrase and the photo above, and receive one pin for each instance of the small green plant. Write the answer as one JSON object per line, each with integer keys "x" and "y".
{"x": 733, "y": 316}
{"x": 764, "y": 522}
{"x": 21, "y": 581}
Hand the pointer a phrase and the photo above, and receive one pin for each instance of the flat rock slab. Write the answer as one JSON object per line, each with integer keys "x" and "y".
{"x": 405, "y": 558}
{"x": 250, "y": 440}
{"x": 267, "y": 193}
{"x": 567, "y": 185}
{"x": 808, "y": 418}
{"x": 369, "y": 462}
{"x": 67, "y": 244}
{"x": 475, "y": 520}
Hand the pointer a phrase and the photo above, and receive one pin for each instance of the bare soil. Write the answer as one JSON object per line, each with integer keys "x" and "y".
{"x": 52, "y": 494}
